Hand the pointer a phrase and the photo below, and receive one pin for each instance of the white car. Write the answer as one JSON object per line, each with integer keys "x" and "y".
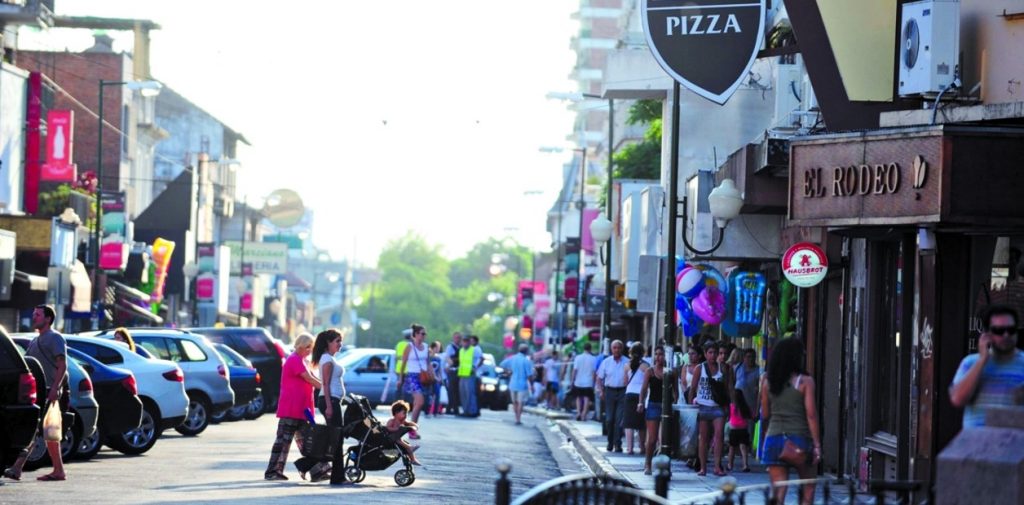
{"x": 207, "y": 379}
{"x": 161, "y": 386}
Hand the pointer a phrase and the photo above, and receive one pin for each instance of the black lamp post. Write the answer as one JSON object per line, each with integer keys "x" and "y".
{"x": 725, "y": 202}
{"x": 147, "y": 89}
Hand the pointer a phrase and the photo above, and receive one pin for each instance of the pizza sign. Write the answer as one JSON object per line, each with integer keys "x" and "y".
{"x": 805, "y": 265}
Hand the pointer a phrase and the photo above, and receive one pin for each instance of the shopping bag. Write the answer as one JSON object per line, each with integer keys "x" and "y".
{"x": 443, "y": 396}
{"x": 52, "y": 431}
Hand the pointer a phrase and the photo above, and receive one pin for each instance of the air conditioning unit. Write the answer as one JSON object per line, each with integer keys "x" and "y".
{"x": 929, "y": 46}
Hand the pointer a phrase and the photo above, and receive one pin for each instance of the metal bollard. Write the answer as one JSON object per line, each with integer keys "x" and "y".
{"x": 728, "y": 486}
{"x": 664, "y": 475}
{"x": 503, "y": 486}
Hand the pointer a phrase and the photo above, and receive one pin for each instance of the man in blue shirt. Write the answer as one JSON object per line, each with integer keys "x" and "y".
{"x": 995, "y": 375}
{"x": 522, "y": 370}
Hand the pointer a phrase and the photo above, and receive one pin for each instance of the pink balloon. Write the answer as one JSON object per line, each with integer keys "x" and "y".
{"x": 508, "y": 341}
{"x": 709, "y": 305}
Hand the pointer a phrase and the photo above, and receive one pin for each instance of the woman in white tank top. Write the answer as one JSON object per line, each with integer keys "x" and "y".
{"x": 415, "y": 359}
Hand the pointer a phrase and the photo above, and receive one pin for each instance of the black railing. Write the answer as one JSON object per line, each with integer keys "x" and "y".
{"x": 602, "y": 489}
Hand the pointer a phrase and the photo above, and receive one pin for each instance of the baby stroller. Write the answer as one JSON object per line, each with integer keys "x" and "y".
{"x": 376, "y": 450}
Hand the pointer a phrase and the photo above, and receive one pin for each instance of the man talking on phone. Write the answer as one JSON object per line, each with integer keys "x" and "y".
{"x": 993, "y": 376}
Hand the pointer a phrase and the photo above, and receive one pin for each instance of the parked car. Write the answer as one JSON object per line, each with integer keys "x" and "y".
{"x": 494, "y": 392}
{"x": 161, "y": 387}
{"x": 120, "y": 406}
{"x": 367, "y": 371}
{"x": 19, "y": 412}
{"x": 82, "y": 403}
{"x": 245, "y": 381}
{"x": 256, "y": 345}
{"x": 207, "y": 379}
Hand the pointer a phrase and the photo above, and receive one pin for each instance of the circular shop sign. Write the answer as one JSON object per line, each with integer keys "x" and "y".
{"x": 805, "y": 265}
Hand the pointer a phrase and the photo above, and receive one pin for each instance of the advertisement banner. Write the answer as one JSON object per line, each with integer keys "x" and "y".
{"x": 113, "y": 247}
{"x": 60, "y": 127}
{"x": 264, "y": 258}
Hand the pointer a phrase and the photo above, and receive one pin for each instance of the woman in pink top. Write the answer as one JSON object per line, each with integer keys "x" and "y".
{"x": 297, "y": 385}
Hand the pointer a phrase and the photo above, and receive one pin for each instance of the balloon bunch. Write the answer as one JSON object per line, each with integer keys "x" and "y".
{"x": 748, "y": 291}
{"x": 700, "y": 297}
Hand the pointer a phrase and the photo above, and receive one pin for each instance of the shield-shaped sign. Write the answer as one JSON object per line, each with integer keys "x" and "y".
{"x": 706, "y": 45}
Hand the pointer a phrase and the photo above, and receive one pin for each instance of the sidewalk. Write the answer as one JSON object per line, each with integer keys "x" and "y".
{"x": 685, "y": 486}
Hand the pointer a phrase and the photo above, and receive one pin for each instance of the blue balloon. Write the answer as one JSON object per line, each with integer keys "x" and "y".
{"x": 683, "y": 306}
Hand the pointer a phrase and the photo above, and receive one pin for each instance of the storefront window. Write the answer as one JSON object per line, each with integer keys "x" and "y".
{"x": 886, "y": 270}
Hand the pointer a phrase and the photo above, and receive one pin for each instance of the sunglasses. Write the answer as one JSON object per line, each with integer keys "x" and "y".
{"x": 1003, "y": 330}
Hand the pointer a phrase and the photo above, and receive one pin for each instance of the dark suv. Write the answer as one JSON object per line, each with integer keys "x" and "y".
{"x": 19, "y": 413}
{"x": 256, "y": 345}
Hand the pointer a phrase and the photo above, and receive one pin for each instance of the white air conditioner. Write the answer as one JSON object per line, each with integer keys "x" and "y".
{"x": 929, "y": 46}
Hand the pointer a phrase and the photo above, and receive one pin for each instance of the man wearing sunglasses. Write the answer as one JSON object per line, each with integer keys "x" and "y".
{"x": 994, "y": 376}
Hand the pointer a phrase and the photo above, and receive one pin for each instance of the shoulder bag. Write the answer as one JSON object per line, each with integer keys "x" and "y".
{"x": 427, "y": 378}
{"x": 719, "y": 392}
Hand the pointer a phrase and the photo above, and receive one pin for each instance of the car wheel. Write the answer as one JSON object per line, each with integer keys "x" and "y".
{"x": 89, "y": 446}
{"x": 141, "y": 439}
{"x": 197, "y": 418}
{"x": 72, "y": 437}
{"x": 256, "y": 407}
{"x": 236, "y": 413}
{"x": 38, "y": 457}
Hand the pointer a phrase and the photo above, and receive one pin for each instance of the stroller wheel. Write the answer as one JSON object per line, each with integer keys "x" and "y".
{"x": 355, "y": 474}
{"x": 404, "y": 478}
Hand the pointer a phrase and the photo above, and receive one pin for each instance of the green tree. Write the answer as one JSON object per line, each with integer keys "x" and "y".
{"x": 640, "y": 160}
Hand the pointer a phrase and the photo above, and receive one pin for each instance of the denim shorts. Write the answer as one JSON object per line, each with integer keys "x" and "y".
{"x": 773, "y": 445}
{"x": 709, "y": 413}
{"x": 653, "y": 411}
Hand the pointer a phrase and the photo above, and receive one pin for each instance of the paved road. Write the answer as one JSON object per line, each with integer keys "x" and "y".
{"x": 225, "y": 465}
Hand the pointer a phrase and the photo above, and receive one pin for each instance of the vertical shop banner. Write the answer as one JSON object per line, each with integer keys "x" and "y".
{"x": 206, "y": 282}
{"x": 113, "y": 245}
{"x": 60, "y": 127}
{"x": 162, "y": 251}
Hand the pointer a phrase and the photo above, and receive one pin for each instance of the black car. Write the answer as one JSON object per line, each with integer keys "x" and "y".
{"x": 245, "y": 381}
{"x": 118, "y": 395}
{"x": 256, "y": 345}
{"x": 19, "y": 412}
{"x": 494, "y": 393}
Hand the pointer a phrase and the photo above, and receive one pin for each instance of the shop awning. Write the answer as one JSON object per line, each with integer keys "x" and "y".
{"x": 34, "y": 282}
{"x": 125, "y": 291}
{"x": 138, "y": 312}
{"x": 81, "y": 288}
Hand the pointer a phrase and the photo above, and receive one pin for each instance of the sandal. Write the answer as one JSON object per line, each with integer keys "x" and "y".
{"x": 11, "y": 474}
{"x": 720, "y": 473}
{"x": 702, "y": 473}
{"x": 51, "y": 477}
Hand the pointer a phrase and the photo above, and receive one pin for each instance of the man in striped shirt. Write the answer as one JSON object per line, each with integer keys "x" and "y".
{"x": 995, "y": 375}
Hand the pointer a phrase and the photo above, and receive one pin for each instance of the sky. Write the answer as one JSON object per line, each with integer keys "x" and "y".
{"x": 385, "y": 116}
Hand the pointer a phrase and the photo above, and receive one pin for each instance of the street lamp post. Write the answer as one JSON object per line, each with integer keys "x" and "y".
{"x": 582, "y": 204}
{"x": 147, "y": 89}
{"x": 608, "y": 284}
{"x": 725, "y": 202}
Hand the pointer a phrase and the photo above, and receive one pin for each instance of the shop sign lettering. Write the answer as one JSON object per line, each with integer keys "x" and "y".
{"x": 852, "y": 180}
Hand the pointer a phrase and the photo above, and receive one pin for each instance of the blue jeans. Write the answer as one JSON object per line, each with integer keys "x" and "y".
{"x": 467, "y": 394}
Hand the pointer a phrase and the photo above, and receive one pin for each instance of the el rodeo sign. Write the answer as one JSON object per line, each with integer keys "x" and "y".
{"x": 706, "y": 45}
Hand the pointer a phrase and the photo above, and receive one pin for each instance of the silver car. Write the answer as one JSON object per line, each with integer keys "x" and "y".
{"x": 207, "y": 379}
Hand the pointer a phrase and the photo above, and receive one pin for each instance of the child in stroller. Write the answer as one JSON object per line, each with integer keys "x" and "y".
{"x": 398, "y": 426}
{"x": 375, "y": 449}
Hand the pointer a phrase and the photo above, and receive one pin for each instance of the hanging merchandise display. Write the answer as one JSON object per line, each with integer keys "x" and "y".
{"x": 713, "y": 277}
{"x": 749, "y": 291}
{"x": 689, "y": 282}
{"x": 709, "y": 305}
{"x": 688, "y": 321}
{"x": 787, "y": 308}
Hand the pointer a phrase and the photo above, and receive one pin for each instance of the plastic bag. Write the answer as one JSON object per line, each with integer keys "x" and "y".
{"x": 52, "y": 431}
{"x": 443, "y": 396}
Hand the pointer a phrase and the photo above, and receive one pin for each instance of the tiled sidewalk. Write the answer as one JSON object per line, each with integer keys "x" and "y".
{"x": 685, "y": 487}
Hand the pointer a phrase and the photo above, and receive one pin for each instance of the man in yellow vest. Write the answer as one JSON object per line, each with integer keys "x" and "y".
{"x": 467, "y": 377}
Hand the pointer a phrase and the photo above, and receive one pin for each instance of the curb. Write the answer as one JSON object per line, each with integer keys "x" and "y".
{"x": 555, "y": 416}
{"x": 592, "y": 457}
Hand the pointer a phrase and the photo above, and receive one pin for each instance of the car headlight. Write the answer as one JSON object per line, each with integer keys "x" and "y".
{"x": 503, "y": 387}
{"x": 489, "y": 387}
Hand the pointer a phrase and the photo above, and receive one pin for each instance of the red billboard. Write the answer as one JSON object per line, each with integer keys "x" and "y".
{"x": 60, "y": 133}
